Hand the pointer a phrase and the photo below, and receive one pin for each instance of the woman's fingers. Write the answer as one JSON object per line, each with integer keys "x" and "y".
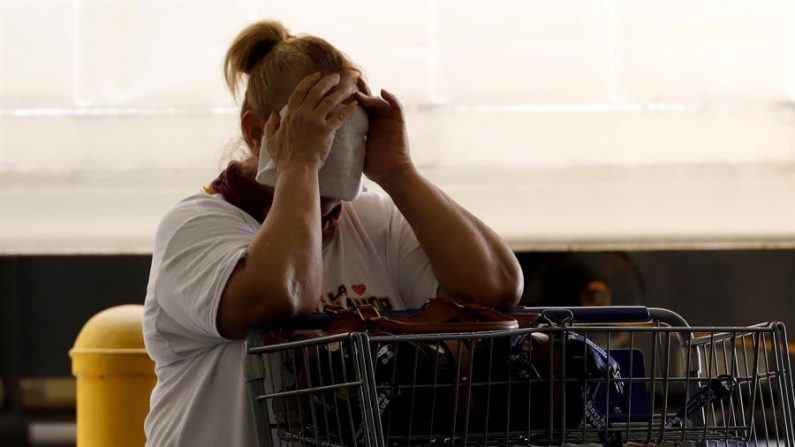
{"x": 337, "y": 120}
{"x": 371, "y": 101}
{"x": 299, "y": 94}
{"x": 317, "y": 93}
{"x": 360, "y": 82}
{"x": 272, "y": 125}
{"x": 332, "y": 100}
{"x": 392, "y": 99}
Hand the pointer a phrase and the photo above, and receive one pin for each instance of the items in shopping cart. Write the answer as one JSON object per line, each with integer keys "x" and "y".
{"x": 449, "y": 386}
{"x": 714, "y": 391}
{"x": 434, "y": 372}
{"x": 544, "y": 385}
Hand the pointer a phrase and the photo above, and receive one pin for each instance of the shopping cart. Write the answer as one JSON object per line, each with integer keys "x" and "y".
{"x": 611, "y": 375}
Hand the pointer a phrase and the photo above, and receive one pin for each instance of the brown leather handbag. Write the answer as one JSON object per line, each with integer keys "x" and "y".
{"x": 437, "y": 316}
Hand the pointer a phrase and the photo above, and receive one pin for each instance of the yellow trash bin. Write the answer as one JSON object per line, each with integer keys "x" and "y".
{"x": 115, "y": 377}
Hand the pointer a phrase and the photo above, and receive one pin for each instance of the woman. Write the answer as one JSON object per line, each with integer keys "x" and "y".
{"x": 243, "y": 254}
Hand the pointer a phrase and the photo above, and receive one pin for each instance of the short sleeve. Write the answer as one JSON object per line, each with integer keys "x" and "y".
{"x": 197, "y": 248}
{"x": 410, "y": 266}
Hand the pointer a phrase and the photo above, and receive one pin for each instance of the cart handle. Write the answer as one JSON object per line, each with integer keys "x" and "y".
{"x": 609, "y": 314}
{"x": 585, "y": 314}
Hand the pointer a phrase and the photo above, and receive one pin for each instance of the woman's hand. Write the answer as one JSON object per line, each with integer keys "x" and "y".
{"x": 304, "y": 136}
{"x": 387, "y": 142}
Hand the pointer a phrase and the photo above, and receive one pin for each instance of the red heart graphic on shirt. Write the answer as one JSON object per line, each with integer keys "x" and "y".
{"x": 359, "y": 288}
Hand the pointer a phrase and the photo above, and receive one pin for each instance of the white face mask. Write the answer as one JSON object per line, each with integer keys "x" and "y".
{"x": 341, "y": 175}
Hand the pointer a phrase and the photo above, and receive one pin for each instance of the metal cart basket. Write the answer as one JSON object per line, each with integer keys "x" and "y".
{"x": 609, "y": 376}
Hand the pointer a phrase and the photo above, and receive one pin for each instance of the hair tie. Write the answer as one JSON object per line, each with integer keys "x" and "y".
{"x": 259, "y": 52}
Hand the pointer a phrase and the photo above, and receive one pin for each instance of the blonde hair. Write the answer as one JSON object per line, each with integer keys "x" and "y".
{"x": 271, "y": 62}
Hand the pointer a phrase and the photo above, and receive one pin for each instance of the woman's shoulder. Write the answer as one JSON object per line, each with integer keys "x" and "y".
{"x": 200, "y": 209}
{"x": 202, "y": 203}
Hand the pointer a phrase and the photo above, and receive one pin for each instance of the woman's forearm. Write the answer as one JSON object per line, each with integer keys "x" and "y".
{"x": 287, "y": 250}
{"x": 282, "y": 273}
{"x": 470, "y": 261}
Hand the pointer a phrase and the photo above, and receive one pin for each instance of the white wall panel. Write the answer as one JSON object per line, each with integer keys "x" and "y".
{"x": 158, "y": 143}
{"x": 697, "y": 136}
{"x": 36, "y": 43}
{"x": 520, "y": 52}
{"x": 142, "y": 54}
{"x": 353, "y": 24}
{"x": 703, "y": 51}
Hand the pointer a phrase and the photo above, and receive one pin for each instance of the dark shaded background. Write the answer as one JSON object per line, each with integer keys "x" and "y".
{"x": 46, "y": 299}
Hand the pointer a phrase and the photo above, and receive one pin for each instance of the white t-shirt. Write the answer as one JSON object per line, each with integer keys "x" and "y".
{"x": 200, "y": 398}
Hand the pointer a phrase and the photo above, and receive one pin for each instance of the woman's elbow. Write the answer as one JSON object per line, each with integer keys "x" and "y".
{"x": 508, "y": 286}
{"x": 303, "y": 295}
{"x": 249, "y": 301}
{"x": 506, "y": 294}
{"x": 273, "y": 304}
{"x": 499, "y": 291}
{"x": 512, "y": 293}
{"x": 283, "y": 304}
{"x": 306, "y": 305}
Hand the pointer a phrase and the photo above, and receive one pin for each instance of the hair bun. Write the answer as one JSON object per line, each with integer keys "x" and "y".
{"x": 250, "y": 47}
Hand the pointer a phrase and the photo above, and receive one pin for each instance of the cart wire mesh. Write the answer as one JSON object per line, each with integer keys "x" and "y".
{"x": 609, "y": 384}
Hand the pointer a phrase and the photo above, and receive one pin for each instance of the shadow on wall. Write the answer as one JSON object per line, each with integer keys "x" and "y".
{"x": 581, "y": 279}
{"x": 718, "y": 287}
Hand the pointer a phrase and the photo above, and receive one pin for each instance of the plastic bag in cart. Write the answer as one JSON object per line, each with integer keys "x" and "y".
{"x": 540, "y": 372}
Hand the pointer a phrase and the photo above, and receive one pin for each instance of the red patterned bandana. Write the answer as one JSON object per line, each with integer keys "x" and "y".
{"x": 249, "y": 196}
